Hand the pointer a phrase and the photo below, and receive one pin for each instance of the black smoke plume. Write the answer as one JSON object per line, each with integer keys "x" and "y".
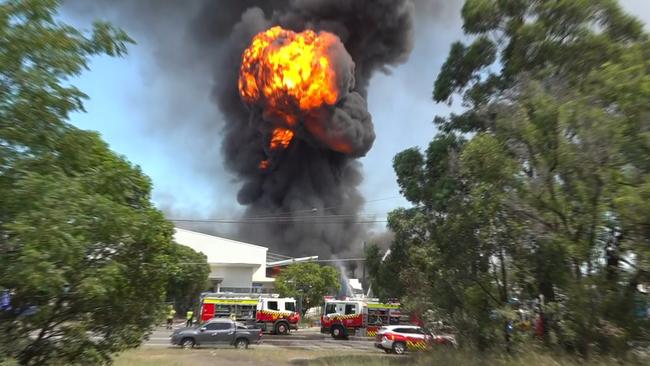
{"x": 306, "y": 203}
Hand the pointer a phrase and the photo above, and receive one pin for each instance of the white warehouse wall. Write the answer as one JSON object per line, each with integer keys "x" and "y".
{"x": 235, "y": 263}
{"x": 233, "y": 276}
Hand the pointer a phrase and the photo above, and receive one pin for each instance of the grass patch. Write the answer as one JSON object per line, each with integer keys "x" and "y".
{"x": 355, "y": 360}
{"x": 465, "y": 358}
{"x": 159, "y": 356}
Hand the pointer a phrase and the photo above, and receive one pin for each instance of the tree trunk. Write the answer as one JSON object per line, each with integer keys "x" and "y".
{"x": 504, "y": 277}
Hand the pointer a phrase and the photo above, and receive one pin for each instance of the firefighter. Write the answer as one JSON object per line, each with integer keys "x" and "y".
{"x": 190, "y": 318}
{"x": 170, "y": 316}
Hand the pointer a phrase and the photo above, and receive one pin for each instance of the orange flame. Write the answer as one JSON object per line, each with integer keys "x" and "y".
{"x": 281, "y": 138}
{"x": 289, "y": 72}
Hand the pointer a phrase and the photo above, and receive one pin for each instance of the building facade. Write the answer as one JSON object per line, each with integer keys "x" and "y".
{"x": 235, "y": 267}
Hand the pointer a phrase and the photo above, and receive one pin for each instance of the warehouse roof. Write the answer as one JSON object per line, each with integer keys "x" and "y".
{"x": 221, "y": 250}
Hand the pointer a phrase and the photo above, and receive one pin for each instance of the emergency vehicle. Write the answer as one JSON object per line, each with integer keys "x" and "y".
{"x": 380, "y": 314}
{"x": 267, "y": 312}
{"x": 399, "y": 339}
{"x": 342, "y": 318}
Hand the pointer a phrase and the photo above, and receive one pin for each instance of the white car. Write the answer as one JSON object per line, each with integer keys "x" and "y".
{"x": 399, "y": 339}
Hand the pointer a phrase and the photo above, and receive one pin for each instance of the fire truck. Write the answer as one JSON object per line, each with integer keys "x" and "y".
{"x": 268, "y": 312}
{"x": 342, "y": 318}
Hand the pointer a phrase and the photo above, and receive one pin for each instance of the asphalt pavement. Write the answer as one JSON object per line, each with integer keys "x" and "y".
{"x": 306, "y": 338}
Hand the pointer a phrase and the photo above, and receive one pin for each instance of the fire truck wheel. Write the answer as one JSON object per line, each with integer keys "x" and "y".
{"x": 281, "y": 328}
{"x": 399, "y": 348}
{"x": 338, "y": 332}
{"x": 187, "y": 343}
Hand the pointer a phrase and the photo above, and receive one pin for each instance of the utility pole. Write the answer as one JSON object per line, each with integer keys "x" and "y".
{"x": 363, "y": 276}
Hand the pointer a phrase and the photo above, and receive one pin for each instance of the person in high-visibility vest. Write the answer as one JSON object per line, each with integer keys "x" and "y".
{"x": 170, "y": 316}
{"x": 190, "y": 318}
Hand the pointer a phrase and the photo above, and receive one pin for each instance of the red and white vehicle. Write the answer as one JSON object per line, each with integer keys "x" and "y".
{"x": 382, "y": 314}
{"x": 269, "y": 313}
{"x": 342, "y": 318}
{"x": 400, "y": 339}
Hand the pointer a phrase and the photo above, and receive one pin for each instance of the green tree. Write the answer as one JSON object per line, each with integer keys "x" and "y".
{"x": 188, "y": 277}
{"x": 384, "y": 273}
{"x": 309, "y": 282}
{"x": 82, "y": 250}
{"x": 556, "y": 159}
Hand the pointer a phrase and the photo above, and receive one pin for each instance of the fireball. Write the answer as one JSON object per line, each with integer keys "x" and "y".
{"x": 289, "y": 73}
{"x": 292, "y": 78}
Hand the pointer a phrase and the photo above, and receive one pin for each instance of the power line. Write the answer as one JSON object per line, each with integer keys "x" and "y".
{"x": 340, "y": 260}
{"x": 325, "y": 208}
{"x": 314, "y": 260}
{"x": 290, "y": 217}
{"x": 298, "y": 217}
{"x": 278, "y": 255}
{"x": 292, "y": 213}
{"x": 340, "y": 218}
{"x": 305, "y": 221}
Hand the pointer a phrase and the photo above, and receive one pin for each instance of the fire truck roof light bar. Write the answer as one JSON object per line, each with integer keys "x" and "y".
{"x": 233, "y": 295}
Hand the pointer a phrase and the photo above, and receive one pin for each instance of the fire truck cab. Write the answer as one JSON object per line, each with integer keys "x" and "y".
{"x": 268, "y": 312}
{"x": 277, "y": 315}
{"x": 341, "y": 318}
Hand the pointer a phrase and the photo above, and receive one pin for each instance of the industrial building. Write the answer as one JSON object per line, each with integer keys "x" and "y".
{"x": 234, "y": 266}
{"x": 243, "y": 269}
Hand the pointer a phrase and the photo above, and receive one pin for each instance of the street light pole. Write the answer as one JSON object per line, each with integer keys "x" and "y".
{"x": 363, "y": 275}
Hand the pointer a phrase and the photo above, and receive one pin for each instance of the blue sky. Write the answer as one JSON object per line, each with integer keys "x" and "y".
{"x": 126, "y": 99}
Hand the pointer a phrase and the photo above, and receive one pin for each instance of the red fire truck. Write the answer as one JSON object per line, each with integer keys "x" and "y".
{"x": 383, "y": 314}
{"x": 268, "y": 312}
{"x": 342, "y": 318}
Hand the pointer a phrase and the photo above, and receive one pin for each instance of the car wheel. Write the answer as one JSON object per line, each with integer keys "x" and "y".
{"x": 281, "y": 329}
{"x": 399, "y": 348}
{"x": 241, "y": 343}
{"x": 388, "y": 350}
{"x": 187, "y": 343}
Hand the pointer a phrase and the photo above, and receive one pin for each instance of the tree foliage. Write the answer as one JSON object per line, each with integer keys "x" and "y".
{"x": 540, "y": 185}
{"x": 188, "y": 277}
{"x": 83, "y": 252}
{"x": 309, "y": 282}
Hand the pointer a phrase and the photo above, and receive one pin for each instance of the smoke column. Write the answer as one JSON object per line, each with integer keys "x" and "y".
{"x": 310, "y": 178}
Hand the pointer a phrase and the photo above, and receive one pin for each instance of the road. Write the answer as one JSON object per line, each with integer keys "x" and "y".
{"x": 307, "y": 339}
